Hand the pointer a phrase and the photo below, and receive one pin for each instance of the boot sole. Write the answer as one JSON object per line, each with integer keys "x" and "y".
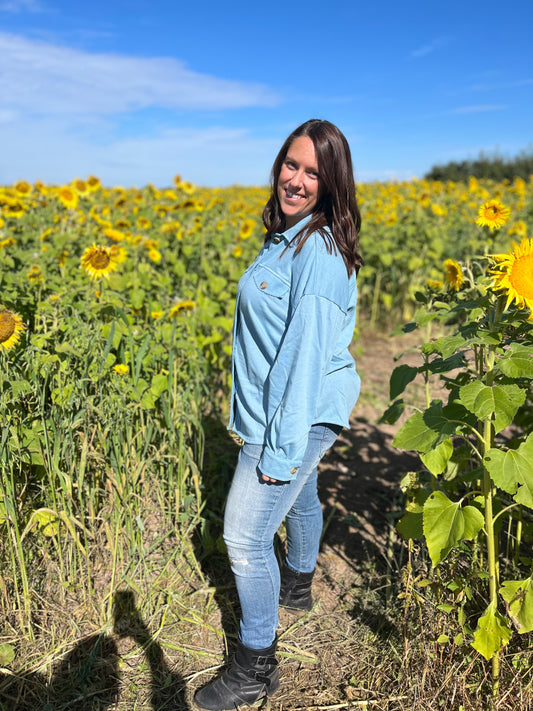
{"x": 262, "y": 704}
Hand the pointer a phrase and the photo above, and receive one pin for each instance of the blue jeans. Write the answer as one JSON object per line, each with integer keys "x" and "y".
{"x": 254, "y": 511}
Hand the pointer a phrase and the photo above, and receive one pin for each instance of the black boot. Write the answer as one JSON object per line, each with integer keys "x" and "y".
{"x": 253, "y": 675}
{"x": 295, "y": 590}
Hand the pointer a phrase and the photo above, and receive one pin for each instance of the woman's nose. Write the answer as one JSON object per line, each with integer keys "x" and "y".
{"x": 297, "y": 177}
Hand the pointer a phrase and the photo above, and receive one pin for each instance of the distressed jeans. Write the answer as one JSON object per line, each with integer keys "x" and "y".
{"x": 254, "y": 511}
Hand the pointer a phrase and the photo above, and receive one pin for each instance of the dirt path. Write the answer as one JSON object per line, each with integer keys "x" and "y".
{"x": 360, "y": 476}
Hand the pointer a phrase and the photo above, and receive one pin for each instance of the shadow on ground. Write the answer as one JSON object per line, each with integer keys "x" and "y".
{"x": 88, "y": 677}
{"x": 359, "y": 490}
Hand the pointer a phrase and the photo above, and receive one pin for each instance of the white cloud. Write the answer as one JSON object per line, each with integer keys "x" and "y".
{"x": 431, "y": 47}
{"x": 477, "y": 109}
{"x": 42, "y": 79}
{"x": 47, "y": 150}
{"x": 16, "y": 6}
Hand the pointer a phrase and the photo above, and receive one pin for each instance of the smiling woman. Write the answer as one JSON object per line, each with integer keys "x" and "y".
{"x": 298, "y": 184}
{"x": 294, "y": 387}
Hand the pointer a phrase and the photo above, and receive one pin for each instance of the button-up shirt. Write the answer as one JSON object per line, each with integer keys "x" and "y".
{"x": 291, "y": 367}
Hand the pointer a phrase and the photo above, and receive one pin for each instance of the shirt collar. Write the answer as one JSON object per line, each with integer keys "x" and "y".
{"x": 290, "y": 233}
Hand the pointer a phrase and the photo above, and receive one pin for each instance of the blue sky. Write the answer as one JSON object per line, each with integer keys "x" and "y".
{"x": 136, "y": 92}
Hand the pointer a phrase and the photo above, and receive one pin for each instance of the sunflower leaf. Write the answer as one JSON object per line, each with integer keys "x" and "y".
{"x": 400, "y": 379}
{"x": 499, "y": 402}
{"x": 517, "y": 361}
{"x": 519, "y": 596}
{"x": 512, "y": 469}
{"x": 436, "y": 460}
{"x": 444, "y": 525}
{"x": 492, "y": 633}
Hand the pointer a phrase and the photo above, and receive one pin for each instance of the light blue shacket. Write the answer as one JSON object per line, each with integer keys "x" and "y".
{"x": 291, "y": 368}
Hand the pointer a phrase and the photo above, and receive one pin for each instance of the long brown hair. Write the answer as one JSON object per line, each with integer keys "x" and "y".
{"x": 337, "y": 206}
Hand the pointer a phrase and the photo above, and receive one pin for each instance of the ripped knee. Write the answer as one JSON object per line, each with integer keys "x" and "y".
{"x": 239, "y": 564}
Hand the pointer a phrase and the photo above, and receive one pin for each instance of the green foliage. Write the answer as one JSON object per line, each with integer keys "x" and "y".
{"x": 476, "y": 474}
{"x": 494, "y": 167}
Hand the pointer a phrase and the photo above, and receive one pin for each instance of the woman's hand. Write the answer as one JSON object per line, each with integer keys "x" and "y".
{"x": 267, "y": 478}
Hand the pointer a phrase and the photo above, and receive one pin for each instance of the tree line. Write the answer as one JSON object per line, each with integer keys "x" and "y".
{"x": 485, "y": 166}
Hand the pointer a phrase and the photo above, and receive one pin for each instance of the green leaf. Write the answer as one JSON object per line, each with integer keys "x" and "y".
{"x": 436, "y": 460}
{"x": 159, "y": 384}
{"x": 519, "y": 596}
{"x": 512, "y": 469}
{"x": 400, "y": 379}
{"x": 411, "y": 525}
{"x": 446, "y": 346}
{"x": 424, "y": 431}
{"x": 7, "y": 654}
{"x": 443, "y": 639}
{"x": 517, "y": 362}
{"x": 391, "y": 414}
{"x": 414, "y": 434}
{"x": 474, "y": 522}
{"x": 148, "y": 400}
{"x": 443, "y": 525}
{"x": 500, "y": 402}
{"x": 444, "y": 365}
{"x": 492, "y": 633}
{"x": 137, "y": 298}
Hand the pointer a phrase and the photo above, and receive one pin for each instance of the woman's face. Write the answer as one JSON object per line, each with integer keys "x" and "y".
{"x": 299, "y": 182}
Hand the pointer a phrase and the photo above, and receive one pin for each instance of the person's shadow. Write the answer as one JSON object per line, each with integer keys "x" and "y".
{"x": 88, "y": 677}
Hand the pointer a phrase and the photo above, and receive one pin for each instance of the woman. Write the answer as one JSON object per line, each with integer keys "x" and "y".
{"x": 294, "y": 387}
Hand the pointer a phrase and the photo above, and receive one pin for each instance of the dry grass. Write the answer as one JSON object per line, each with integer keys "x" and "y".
{"x": 161, "y": 618}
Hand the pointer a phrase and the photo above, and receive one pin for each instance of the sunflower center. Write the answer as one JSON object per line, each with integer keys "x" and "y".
{"x": 521, "y": 276}
{"x": 7, "y": 326}
{"x": 100, "y": 260}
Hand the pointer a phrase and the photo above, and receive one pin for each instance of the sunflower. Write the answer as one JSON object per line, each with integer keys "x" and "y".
{"x": 93, "y": 183}
{"x": 35, "y": 273}
{"x": 80, "y": 186}
{"x": 513, "y": 273}
{"x": 434, "y": 284}
{"x": 187, "y": 305}
{"x": 13, "y": 208}
{"x": 114, "y": 235}
{"x": 62, "y": 258}
{"x": 155, "y": 255}
{"x": 143, "y": 223}
{"x": 453, "y": 274}
{"x": 519, "y": 228}
{"x": 118, "y": 254}
{"x": 68, "y": 196}
{"x": 493, "y": 214}
{"x": 237, "y": 251}
{"x": 247, "y": 227}
{"x": 99, "y": 261}
{"x": 11, "y": 327}
{"x": 23, "y": 188}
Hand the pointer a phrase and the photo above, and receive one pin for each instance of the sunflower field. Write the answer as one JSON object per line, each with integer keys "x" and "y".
{"x": 116, "y": 314}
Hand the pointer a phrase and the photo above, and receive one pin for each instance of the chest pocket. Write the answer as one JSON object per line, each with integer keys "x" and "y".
{"x": 270, "y": 283}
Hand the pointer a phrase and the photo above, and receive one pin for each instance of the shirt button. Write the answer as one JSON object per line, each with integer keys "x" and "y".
{"x": 276, "y": 240}
{"x": 263, "y": 285}
{"x": 294, "y": 470}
